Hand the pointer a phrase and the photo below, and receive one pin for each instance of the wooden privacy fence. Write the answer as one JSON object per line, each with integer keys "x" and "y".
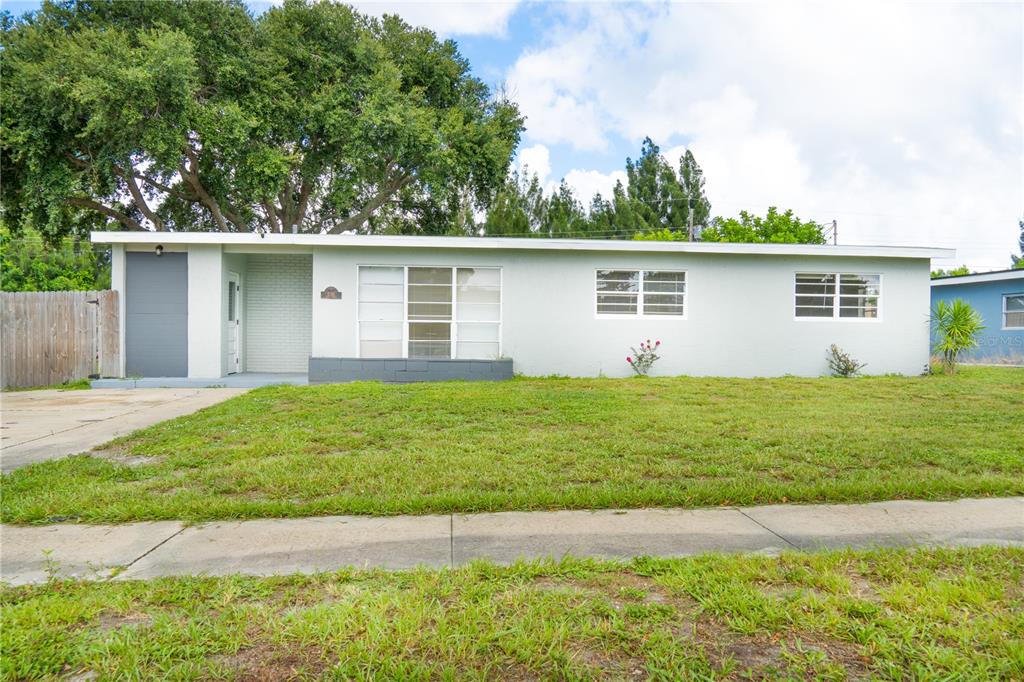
{"x": 49, "y": 337}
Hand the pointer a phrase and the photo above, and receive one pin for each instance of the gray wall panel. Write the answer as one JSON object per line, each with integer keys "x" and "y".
{"x": 402, "y": 371}
{"x": 156, "y": 314}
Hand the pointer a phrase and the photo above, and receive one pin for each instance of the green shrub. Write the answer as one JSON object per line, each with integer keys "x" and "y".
{"x": 842, "y": 363}
{"x": 955, "y": 326}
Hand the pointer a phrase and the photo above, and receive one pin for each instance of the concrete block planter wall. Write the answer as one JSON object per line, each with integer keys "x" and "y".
{"x": 401, "y": 371}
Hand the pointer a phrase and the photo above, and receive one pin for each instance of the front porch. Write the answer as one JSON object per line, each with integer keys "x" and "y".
{"x": 201, "y": 316}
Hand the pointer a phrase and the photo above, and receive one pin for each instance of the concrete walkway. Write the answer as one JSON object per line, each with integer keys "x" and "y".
{"x": 42, "y": 425}
{"x": 281, "y": 546}
{"x": 240, "y": 380}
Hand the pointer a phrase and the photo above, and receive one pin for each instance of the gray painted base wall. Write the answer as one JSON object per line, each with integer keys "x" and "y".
{"x": 402, "y": 371}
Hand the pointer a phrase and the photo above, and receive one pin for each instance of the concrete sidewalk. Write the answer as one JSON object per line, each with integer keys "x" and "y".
{"x": 281, "y": 546}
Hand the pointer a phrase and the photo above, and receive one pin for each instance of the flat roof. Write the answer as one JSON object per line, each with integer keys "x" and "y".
{"x": 522, "y": 243}
{"x": 978, "y": 278}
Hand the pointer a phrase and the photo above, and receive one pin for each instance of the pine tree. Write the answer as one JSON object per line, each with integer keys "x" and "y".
{"x": 565, "y": 217}
{"x": 662, "y": 198}
{"x": 506, "y": 215}
{"x": 653, "y": 199}
{"x": 654, "y": 190}
{"x": 626, "y": 219}
{"x": 601, "y": 217}
{"x": 518, "y": 208}
{"x": 691, "y": 178}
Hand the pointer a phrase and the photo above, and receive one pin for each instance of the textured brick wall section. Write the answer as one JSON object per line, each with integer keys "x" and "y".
{"x": 278, "y": 293}
{"x": 399, "y": 371}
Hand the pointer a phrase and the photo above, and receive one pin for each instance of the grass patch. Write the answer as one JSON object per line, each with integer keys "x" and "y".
{"x": 370, "y": 448}
{"x": 885, "y": 614}
{"x": 76, "y": 385}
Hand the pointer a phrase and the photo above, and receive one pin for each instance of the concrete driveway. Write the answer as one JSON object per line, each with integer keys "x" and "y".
{"x": 41, "y": 425}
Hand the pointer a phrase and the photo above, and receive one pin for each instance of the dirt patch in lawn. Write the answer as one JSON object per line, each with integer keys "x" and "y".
{"x": 624, "y": 589}
{"x": 608, "y": 665}
{"x": 749, "y": 655}
{"x": 862, "y": 588}
{"x": 119, "y": 454}
{"x": 116, "y": 621}
{"x": 265, "y": 663}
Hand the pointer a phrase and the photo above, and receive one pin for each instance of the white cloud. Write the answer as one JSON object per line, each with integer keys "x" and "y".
{"x": 587, "y": 183}
{"x": 762, "y": 165}
{"x": 481, "y": 17}
{"x": 536, "y": 160}
{"x": 553, "y": 113}
{"x": 902, "y": 121}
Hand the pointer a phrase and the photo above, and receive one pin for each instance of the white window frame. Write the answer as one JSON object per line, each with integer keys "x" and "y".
{"x": 835, "y": 302}
{"x": 1006, "y": 311}
{"x": 639, "y": 314}
{"x": 455, "y": 299}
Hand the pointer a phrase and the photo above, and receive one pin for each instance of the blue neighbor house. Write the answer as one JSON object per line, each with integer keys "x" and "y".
{"x": 999, "y": 297}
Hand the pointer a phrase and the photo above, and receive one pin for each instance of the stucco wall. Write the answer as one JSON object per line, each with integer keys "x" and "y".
{"x": 739, "y": 318}
{"x": 996, "y": 344}
{"x": 118, "y": 263}
{"x": 205, "y": 313}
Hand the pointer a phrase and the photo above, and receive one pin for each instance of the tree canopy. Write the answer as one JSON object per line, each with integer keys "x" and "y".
{"x": 661, "y": 198}
{"x": 952, "y": 272}
{"x": 654, "y": 197}
{"x": 774, "y": 228}
{"x": 181, "y": 115}
{"x": 309, "y": 117}
{"x": 657, "y": 203}
{"x": 29, "y": 263}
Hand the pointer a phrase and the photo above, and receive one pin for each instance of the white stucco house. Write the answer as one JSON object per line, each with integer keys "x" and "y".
{"x": 203, "y": 306}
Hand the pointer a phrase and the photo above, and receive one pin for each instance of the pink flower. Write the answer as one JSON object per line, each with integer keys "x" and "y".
{"x": 657, "y": 343}
{"x": 629, "y": 360}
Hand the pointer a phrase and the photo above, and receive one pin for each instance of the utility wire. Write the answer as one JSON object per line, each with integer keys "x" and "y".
{"x": 605, "y": 234}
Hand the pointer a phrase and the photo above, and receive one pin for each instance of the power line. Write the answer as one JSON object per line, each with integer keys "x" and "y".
{"x": 607, "y": 234}
{"x": 755, "y": 205}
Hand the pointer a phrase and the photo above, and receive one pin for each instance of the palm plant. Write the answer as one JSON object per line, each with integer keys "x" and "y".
{"x": 955, "y": 325}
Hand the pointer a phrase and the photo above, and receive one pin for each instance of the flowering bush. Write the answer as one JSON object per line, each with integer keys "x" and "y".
{"x": 641, "y": 360}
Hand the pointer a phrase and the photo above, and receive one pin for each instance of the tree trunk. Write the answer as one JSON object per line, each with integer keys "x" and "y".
{"x": 127, "y": 221}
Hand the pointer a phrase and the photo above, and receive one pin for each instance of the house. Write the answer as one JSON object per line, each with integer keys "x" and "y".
{"x": 343, "y": 307}
{"x": 999, "y": 298}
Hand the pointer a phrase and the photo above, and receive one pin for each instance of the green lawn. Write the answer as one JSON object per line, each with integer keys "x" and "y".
{"x": 369, "y": 448}
{"x": 74, "y": 385}
{"x": 926, "y": 615}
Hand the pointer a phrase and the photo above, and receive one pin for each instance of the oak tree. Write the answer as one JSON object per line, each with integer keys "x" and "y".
{"x": 309, "y": 117}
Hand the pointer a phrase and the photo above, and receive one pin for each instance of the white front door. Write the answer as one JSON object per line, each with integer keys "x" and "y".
{"x": 234, "y": 323}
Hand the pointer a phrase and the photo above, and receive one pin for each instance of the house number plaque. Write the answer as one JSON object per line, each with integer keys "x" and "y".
{"x": 331, "y": 293}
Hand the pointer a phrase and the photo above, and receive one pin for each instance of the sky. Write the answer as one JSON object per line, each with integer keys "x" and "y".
{"x": 902, "y": 122}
